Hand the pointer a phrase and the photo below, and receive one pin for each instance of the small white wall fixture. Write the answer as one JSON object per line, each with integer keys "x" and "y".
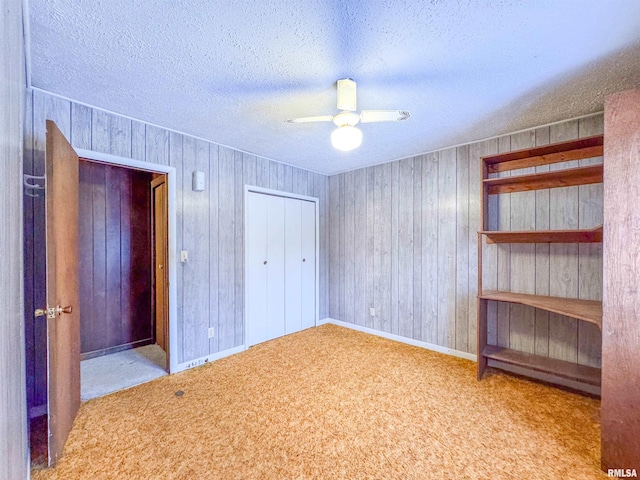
{"x": 252, "y": 203}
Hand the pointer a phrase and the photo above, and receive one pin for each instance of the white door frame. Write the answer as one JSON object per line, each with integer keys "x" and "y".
{"x": 172, "y": 229}
{"x": 278, "y": 193}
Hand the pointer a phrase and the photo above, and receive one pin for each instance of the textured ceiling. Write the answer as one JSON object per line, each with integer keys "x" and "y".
{"x": 233, "y": 72}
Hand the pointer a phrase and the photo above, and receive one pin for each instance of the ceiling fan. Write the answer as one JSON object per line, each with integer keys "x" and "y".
{"x": 347, "y": 137}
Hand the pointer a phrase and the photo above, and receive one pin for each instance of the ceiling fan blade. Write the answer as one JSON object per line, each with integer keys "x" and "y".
{"x": 370, "y": 116}
{"x": 320, "y": 118}
{"x": 347, "y": 95}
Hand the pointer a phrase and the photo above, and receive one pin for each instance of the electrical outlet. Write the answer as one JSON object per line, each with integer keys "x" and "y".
{"x": 372, "y": 312}
{"x": 212, "y": 332}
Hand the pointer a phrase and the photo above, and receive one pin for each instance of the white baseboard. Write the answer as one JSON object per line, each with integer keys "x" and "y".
{"x": 398, "y": 338}
{"x": 209, "y": 358}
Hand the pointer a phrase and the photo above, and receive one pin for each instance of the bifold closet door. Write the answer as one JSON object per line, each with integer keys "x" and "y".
{"x": 265, "y": 268}
{"x": 280, "y": 266}
{"x": 256, "y": 271}
{"x": 275, "y": 266}
{"x": 308, "y": 274}
{"x": 293, "y": 265}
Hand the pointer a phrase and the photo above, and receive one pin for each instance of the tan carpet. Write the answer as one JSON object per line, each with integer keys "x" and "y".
{"x": 332, "y": 403}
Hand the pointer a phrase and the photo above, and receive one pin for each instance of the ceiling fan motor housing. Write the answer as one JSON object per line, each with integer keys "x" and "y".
{"x": 346, "y": 118}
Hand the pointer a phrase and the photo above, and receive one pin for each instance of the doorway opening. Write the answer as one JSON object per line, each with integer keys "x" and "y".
{"x": 122, "y": 241}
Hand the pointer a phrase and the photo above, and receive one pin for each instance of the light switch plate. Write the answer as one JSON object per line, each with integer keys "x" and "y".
{"x": 372, "y": 312}
{"x": 212, "y": 332}
{"x": 184, "y": 256}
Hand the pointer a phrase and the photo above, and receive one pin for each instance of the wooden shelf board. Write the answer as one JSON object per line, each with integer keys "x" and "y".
{"x": 593, "y": 235}
{"x": 561, "y": 368}
{"x": 536, "y": 181}
{"x": 558, "y": 152}
{"x": 587, "y": 310}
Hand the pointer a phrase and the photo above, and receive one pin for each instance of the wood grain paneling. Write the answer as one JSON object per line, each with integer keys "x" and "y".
{"x": 209, "y": 224}
{"x": 421, "y": 216}
{"x": 115, "y": 257}
{"x": 13, "y": 440}
{"x": 621, "y": 302}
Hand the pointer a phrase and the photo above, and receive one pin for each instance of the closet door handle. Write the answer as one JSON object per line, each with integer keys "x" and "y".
{"x": 265, "y": 262}
{"x": 304, "y": 259}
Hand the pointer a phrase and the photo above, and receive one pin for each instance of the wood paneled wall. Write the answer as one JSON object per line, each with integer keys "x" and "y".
{"x": 115, "y": 257}
{"x": 210, "y": 223}
{"x": 14, "y": 461}
{"x": 621, "y": 302}
{"x": 402, "y": 240}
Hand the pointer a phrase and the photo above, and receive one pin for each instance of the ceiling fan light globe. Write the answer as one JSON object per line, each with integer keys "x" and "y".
{"x": 346, "y": 138}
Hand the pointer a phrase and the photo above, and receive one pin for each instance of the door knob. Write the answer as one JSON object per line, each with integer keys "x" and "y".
{"x": 265, "y": 262}
{"x": 52, "y": 312}
{"x": 304, "y": 259}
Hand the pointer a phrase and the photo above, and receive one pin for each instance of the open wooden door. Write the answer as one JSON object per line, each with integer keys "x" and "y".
{"x": 62, "y": 312}
{"x": 160, "y": 250}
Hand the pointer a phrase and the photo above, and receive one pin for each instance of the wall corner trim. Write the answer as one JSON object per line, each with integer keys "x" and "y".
{"x": 398, "y": 338}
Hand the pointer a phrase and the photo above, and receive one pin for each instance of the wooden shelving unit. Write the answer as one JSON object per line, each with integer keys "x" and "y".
{"x": 584, "y": 310}
{"x": 593, "y": 235}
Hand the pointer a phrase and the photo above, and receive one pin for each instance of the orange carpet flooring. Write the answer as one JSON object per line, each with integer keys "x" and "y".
{"x": 333, "y": 403}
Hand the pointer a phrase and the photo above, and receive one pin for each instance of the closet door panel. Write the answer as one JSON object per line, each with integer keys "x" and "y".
{"x": 293, "y": 265}
{"x": 308, "y": 277}
{"x": 275, "y": 266}
{"x": 256, "y": 279}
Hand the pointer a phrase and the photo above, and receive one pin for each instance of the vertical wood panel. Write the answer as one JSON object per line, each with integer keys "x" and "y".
{"x": 348, "y": 261}
{"x": 99, "y": 303}
{"x": 334, "y": 246}
{"x": 382, "y": 247}
{"x": 522, "y": 267}
{"x": 80, "y": 126}
{"x": 417, "y": 248}
{"x": 430, "y": 248}
{"x": 462, "y": 250}
{"x": 226, "y": 250}
{"x": 138, "y": 141}
{"x": 563, "y": 266}
{"x": 361, "y": 312}
{"x": 249, "y": 168}
{"x": 320, "y": 187}
{"x": 156, "y": 145}
{"x": 590, "y": 214}
{"x": 447, "y": 203}
{"x": 176, "y": 161}
{"x": 29, "y": 257}
{"x": 113, "y": 266}
{"x": 129, "y": 260}
{"x": 239, "y": 250}
{"x": 490, "y": 256}
{"x": 263, "y": 171}
{"x": 341, "y": 263}
{"x": 214, "y": 248}
{"x": 541, "y": 341}
{"x": 196, "y": 241}
{"x": 111, "y": 134}
{"x": 405, "y": 247}
{"x": 504, "y": 255}
{"x": 370, "y": 245}
{"x": 395, "y": 203}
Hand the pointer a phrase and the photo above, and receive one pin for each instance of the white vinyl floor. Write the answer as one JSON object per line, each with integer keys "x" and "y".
{"x": 107, "y": 374}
